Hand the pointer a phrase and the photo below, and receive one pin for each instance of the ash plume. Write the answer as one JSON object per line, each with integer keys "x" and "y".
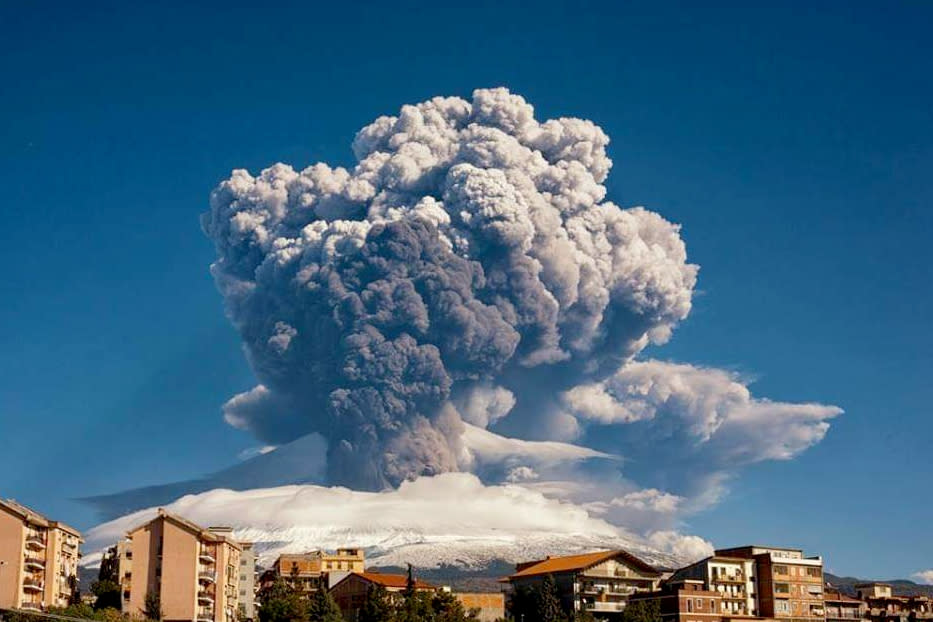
{"x": 468, "y": 267}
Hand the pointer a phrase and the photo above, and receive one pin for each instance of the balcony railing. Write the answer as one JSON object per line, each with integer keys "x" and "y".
{"x": 32, "y": 585}
{"x": 31, "y": 606}
{"x": 207, "y": 577}
{"x": 206, "y": 598}
{"x": 35, "y": 542}
{"x": 34, "y": 562}
{"x": 207, "y": 556}
{"x": 604, "y": 606}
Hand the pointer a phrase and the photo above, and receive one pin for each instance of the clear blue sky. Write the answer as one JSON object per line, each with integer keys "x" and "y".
{"x": 794, "y": 143}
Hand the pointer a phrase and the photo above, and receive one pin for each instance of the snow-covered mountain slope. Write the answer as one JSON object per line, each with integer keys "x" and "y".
{"x": 448, "y": 520}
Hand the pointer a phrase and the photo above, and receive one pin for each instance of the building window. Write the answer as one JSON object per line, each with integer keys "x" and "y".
{"x": 780, "y": 569}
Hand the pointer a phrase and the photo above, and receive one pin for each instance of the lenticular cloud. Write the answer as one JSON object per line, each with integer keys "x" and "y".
{"x": 467, "y": 269}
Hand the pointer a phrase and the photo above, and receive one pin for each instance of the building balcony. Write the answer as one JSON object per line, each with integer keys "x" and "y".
{"x": 35, "y": 543}
{"x": 205, "y": 615}
{"x": 32, "y": 585}
{"x": 31, "y": 606}
{"x": 207, "y": 556}
{"x": 604, "y": 606}
{"x": 205, "y": 598}
{"x": 207, "y": 577}
{"x": 725, "y": 578}
{"x": 34, "y": 563}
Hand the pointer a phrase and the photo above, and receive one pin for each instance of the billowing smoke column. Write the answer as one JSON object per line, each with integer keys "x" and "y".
{"x": 467, "y": 268}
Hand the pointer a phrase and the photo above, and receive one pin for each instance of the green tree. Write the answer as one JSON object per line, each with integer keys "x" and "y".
{"x": 446, "y": 608}
{"x": 322, "y": 608}
{"x": 79, "y": 610}
{"x": 376, "y": 607}
{"x": 107, "y": 593}
{"x": 522, "y": 604}
{"x": 642, "y": 610}
{"x": 416, "y": 606}
{"x": 547, "y": 602}
{"x": 109, "y": 566}
{"x": 75, "y": 598}
{"x": 282, "y": 603}
{"x": 107, "y": 586}
{"x": 152, "y": 606}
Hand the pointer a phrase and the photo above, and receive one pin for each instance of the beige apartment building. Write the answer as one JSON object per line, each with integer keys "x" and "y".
{"x": 789, "y": 585}
{"x": 248, "y": 575}
{"x": 308, "y": 572}
{"x": 38, "y": 559}
{"x": 193, "y": 570}
{"x": 732, "y": 578}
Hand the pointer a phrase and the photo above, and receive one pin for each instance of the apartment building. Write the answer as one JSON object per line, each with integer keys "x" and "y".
{"x": 843, "y": 608}
{"x": 685, "y": 600}
{"x": 193, "y": 570}
{"x": 789, "y": 586}
{"x": 350, "y": 592}
{"x": 884, "y": 606}
{"x": 600, "y": 583}
{"x": 248, "y": 581}
{"x": 38, "y": 559}
{"x": 308, "y": 572}
{"x": 733, "y": 578}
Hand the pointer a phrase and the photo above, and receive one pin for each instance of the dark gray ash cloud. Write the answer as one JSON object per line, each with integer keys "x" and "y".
{"x": 467, "y": 266}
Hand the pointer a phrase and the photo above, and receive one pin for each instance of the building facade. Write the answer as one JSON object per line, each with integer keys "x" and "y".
{"x": 843, "y": 608}
{"x": 685, "y": 600}
{"x": 194, "y": 571}
{"x": 789, "y": 585}
{"x": 38, "y": 559}
{"x": 350, "y": 592}
{"x": 248, "y": 581}
{"x": 308, "y": 572}
{"x": 600, "y": 583}
{"x": 733, "y": 578}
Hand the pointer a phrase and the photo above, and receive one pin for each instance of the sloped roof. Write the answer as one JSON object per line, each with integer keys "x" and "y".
{"x": 394, "y": 581}
{"x": 28, "y": 514}
{"x": 194, "y": 528}
{"x": 571, "y": 563}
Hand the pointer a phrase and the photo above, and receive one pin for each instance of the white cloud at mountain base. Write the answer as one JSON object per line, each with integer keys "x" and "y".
{"x": 450, "y": 513}
{"x": 924, "y": 576}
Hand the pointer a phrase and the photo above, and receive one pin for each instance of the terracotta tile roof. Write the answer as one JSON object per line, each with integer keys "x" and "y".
{"x": 581, "y": 562}
{"x": 392, "y": 580}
